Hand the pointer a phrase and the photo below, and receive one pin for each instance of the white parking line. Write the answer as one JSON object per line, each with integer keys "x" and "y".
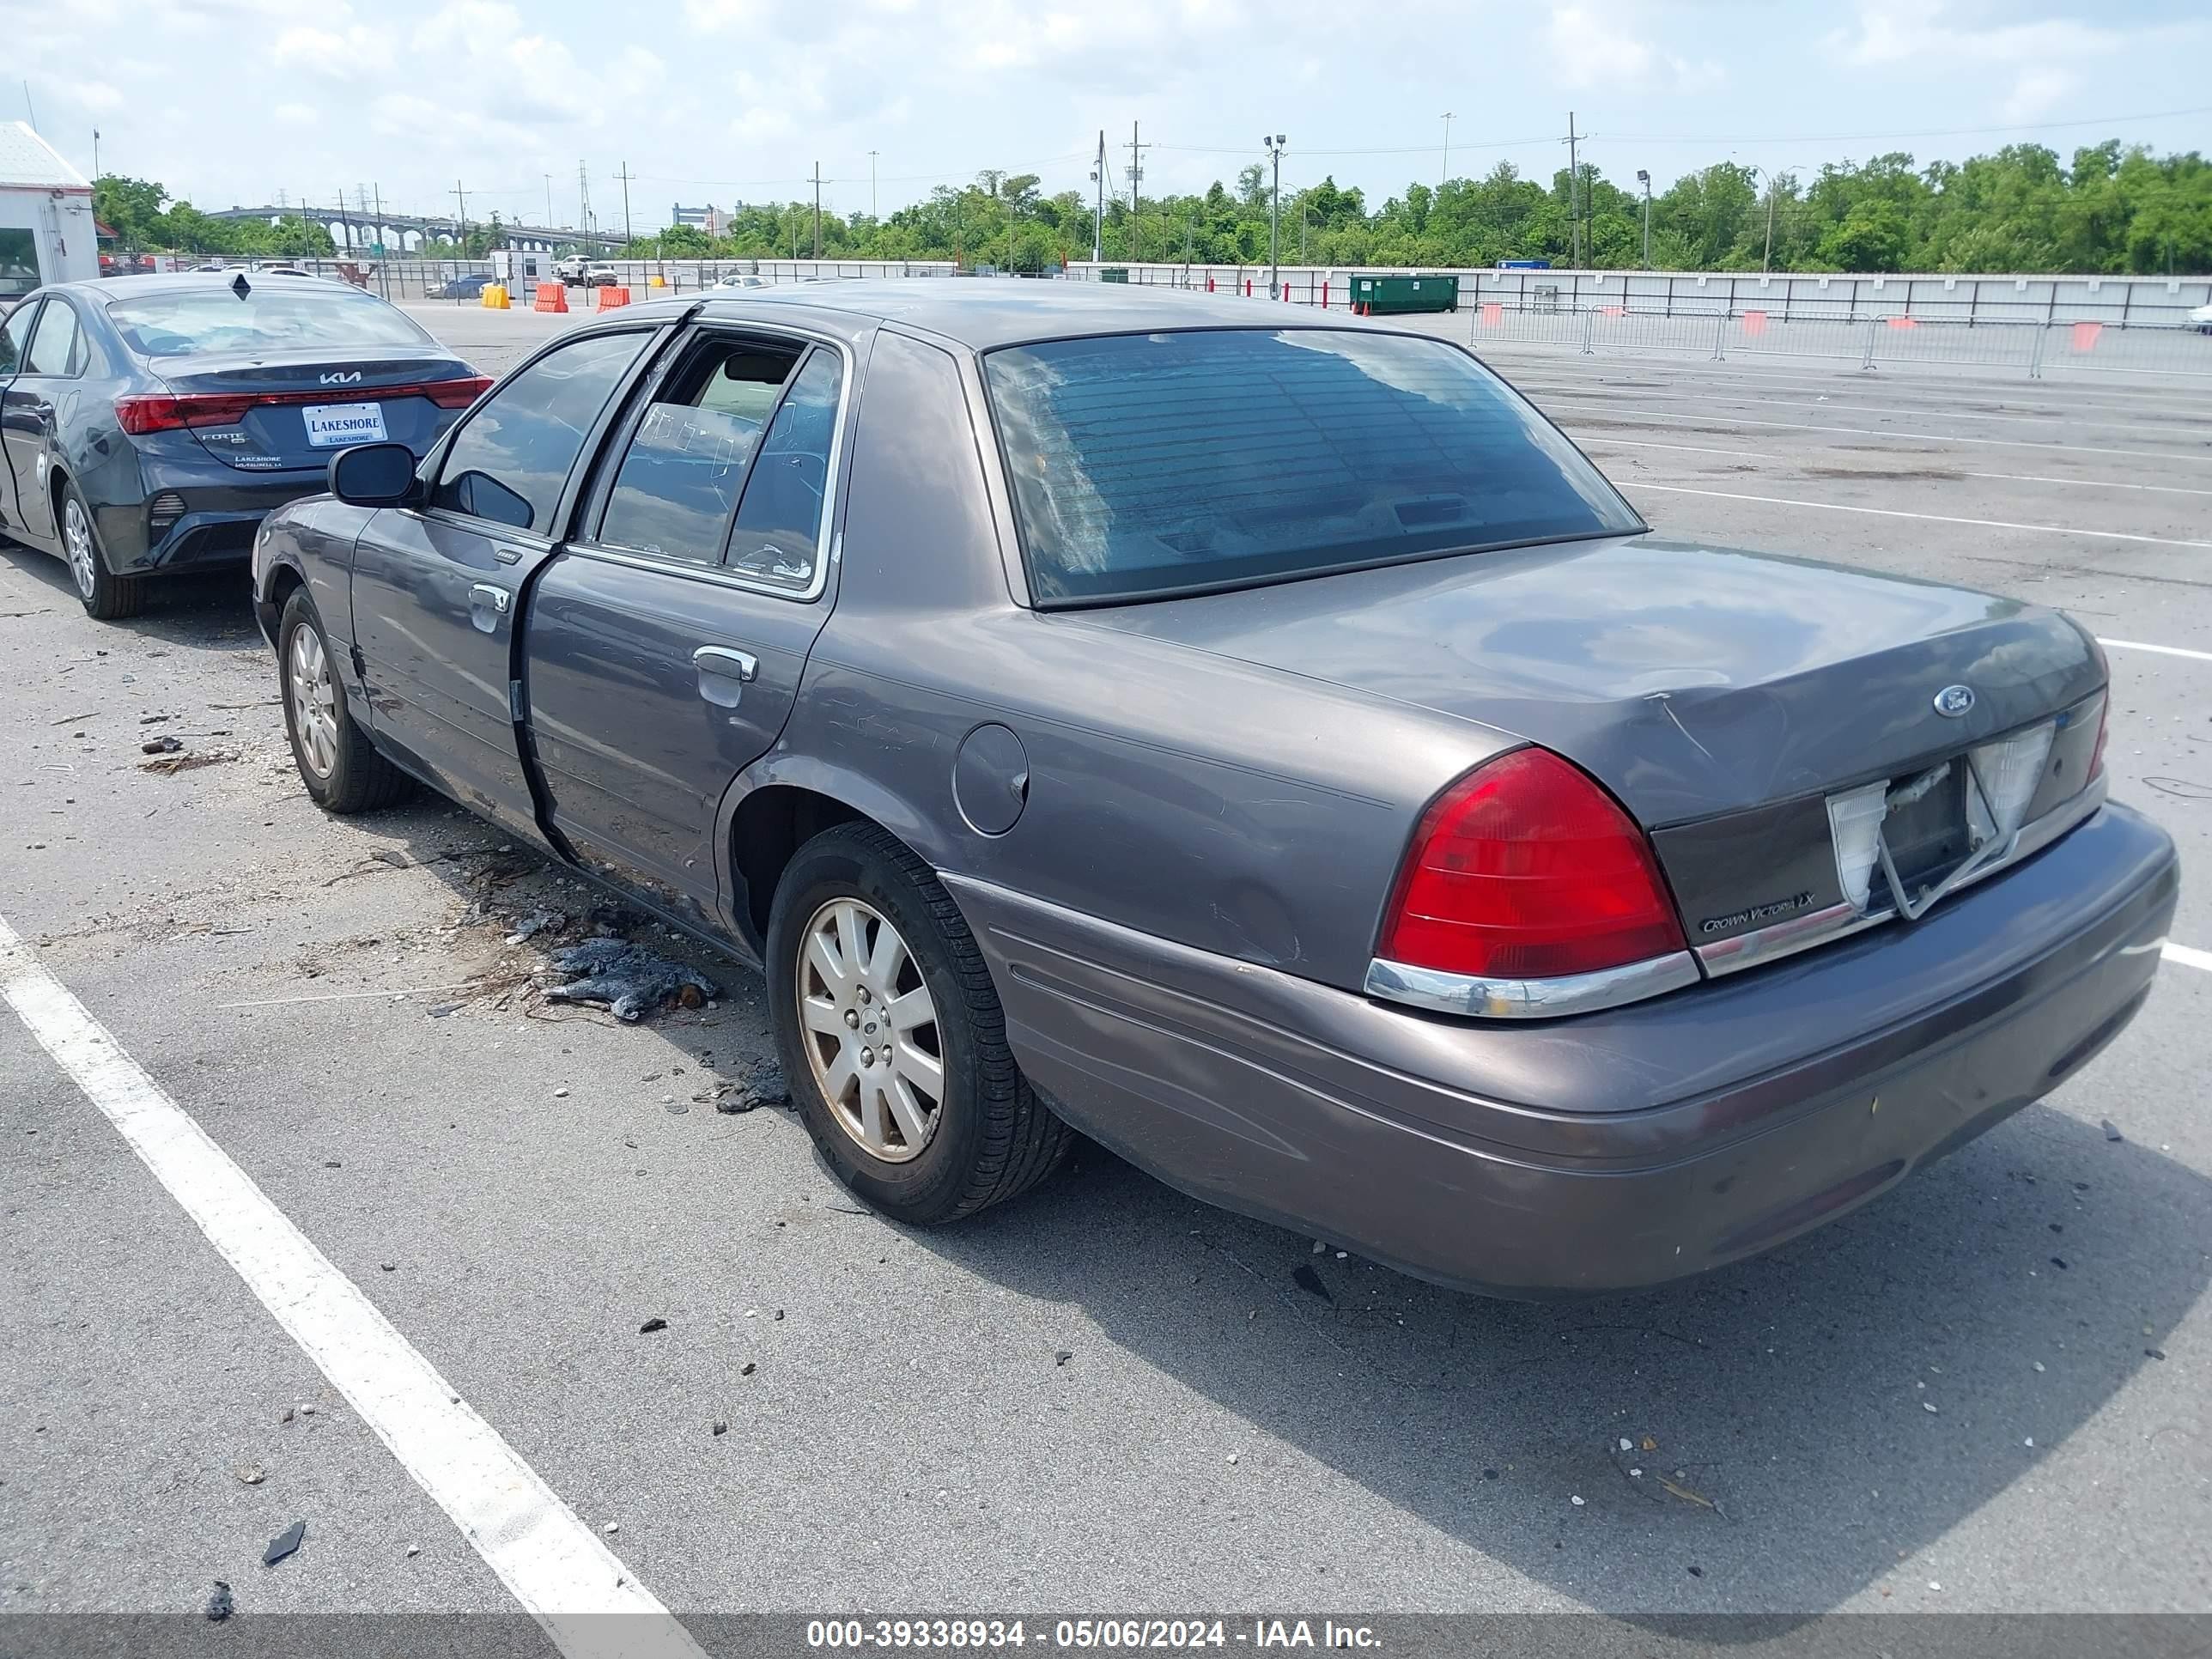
{"x": 2086, "y": 483}
{"x": 1602, "y": 440}
{"x": 1930, "y": 518}
{"x": 2188, "y": 957}
{"x": 1612, "y": 414}
{"x": 1960, "y": 414}
{"x": 2162, "y": 650}
{"x": 556, "y": 1566}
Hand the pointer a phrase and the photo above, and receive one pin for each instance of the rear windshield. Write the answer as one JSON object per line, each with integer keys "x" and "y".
{"x": 277, "y": 313}
{"x": 1144, "y": 464}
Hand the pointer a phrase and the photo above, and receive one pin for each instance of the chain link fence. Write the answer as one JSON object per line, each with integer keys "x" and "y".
{"x": 2031, "y": 325}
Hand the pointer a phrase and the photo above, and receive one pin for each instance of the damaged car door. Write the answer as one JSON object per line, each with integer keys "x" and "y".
{"x": 665, "y": 641}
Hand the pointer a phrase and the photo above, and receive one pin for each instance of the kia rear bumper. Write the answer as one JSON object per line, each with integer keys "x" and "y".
{"x": 195, "y": 516}
{"x": 1610, "y": 1151}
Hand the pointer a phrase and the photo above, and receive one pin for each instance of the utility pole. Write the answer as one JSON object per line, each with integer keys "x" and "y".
{"x": 1574, "y": 183}
{"x": 1098, "y": 214}
{"x": 873, "y": 217}
{"x": 95, "y": 153}
{"x": 1446, "y": 178}
{"x": 584, "y": 205}
{"x": 1136, "y": 175}
{"x": 1643, "y": 178}
{"x": 626, "y": 175}
{"x": 1766, "y": 260}
{"x": 549, "y": 201}
{"x": 345, "y": 220}
{"x": 1274, "y": 144}
{"x": 817, "y": 210}
{"x": 461, "y": 230}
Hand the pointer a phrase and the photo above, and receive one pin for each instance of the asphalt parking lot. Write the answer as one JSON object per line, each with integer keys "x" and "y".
{"x": 1985, "y": 1391}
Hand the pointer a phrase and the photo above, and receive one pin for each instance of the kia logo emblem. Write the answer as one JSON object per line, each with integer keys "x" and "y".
{"x": 352, "y": 377}
{"x": 1954, "y": 700}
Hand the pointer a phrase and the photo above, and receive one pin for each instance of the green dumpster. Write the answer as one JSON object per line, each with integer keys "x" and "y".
{"x": 1114, "y": 274}
{"x": 1385, "y": 296}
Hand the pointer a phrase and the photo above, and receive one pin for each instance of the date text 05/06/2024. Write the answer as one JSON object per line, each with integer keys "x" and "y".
{"x": 1128, "y": 1633}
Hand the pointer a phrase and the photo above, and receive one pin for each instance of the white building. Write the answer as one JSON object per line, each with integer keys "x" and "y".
{"x": 46, "y": 232}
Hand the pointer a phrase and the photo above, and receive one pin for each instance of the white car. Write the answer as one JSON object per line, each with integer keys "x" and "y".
{"x": 2202, "y": 319}
{"x": 742, "y": 279}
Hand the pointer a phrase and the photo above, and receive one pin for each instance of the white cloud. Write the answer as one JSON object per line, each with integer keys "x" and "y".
{"x": 2037, "y": 91}
{"x": 1603, "y": 48}
{"x": 98, "y": 96}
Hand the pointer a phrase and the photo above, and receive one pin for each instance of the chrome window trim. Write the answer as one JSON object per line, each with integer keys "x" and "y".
{"x": 1785, "y": 939}
{"x": 1530, "y": 999}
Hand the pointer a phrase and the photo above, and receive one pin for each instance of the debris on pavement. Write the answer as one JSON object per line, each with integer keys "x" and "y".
{"x": 655, "y": 1323}
{"x": 761, "y": 1083}
{"x": 219, "y": 1605}
{"x": 1575, "y": 1500}
{"x": 1688, "y": 1494}
{"x": 1062, "y": 1356}
{"x": 169, "y": 765}
{"x": 720, "y": 1427}
{"x": 252, "y": 1474}
{"x": 629, "y": 979}
{"x": 284, "y": 1543}
{"x": 164, "y": 744}
{"x": 1309, "y": 1281}
{"x": 611, "y": 920}
{"x": 747, "y": 1369}
{"x": 2113, "y": 1131}
{"x": 537, "y": 922}
{"x": 611, "y": 1527}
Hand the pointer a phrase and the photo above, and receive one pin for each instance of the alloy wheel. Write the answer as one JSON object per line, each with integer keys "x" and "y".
{"x": 314, "y": 702}
{"x": 871, "y": 1030}
{"x": 76, "y": 545}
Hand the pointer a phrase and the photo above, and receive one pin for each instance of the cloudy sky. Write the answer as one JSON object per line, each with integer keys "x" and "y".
{"x": 231, "y": 101}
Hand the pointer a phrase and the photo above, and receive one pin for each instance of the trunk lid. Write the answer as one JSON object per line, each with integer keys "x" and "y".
{"x": 1720, "y": 695}
{"x": 274, "y": 435}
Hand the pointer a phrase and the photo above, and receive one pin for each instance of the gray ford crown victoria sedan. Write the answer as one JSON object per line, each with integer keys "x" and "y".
{"x": 1257, "y": 740}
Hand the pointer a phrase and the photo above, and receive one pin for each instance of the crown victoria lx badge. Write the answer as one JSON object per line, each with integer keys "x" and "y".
{"x": 1954, "y": 700}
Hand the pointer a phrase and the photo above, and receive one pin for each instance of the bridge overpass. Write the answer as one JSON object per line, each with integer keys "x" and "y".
{"x": 405, "y": 233}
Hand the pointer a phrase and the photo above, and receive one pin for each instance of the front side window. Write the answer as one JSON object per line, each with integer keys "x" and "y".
{"x": 686, "y": 466}
{"x": 15, "y": 337}
{"x": 1146, "y": 465}
{"x": 54, "y": 345}
{"x": 19, "y": 263}
{"x": 509, "y": 462}
{"x": 778, "y": 536}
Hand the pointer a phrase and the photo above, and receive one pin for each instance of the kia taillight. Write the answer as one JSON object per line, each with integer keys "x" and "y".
{"x": 1526, "y": 869}
{"x": 457, "y": 394}
{"x": 143, "y": 412}
{"x": 2104, "y": 715}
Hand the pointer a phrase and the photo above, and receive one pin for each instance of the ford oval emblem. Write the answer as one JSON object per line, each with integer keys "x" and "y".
{"x": 1954, "y": 700}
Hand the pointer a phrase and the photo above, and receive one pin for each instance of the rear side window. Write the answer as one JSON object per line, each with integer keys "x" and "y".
{"x": 1152, "y": 464}
{"x": 778, "y": 538}
{"x": 684, "y": 469}
{"x": 276, "y": 313}
{"x": 53, "y": 347}
{"x": 508, "y": 464}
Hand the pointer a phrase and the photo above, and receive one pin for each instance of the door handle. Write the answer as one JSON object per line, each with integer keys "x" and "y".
{"x": 487, "y": 604}
{"x": 723, "y": 673}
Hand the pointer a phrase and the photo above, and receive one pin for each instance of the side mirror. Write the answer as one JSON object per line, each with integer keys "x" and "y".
{"x": 373, "y": 475}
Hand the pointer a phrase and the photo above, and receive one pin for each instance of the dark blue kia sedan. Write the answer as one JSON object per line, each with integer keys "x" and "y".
{"x": 150, "y": 422}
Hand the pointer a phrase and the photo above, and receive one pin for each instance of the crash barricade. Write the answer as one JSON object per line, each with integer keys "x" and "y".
{"x": 609, "y": 297}
{"x": 551, "y": 296}
{"x": 496, "y": 297}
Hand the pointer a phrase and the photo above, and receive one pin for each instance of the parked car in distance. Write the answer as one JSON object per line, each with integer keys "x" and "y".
{"x": 150, "y": 422}
{"x": 742, "y": 279}
{"x": 2202, "y": 317}
{"x": 1267, "y": 745}
{"x": 570, "y": 268}
{"x": 601, "y": 276}
{"x": 470, "y": 285}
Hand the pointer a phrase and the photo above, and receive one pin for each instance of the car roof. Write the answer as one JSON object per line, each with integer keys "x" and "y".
{"x": 172, "y": 281}
{"x": 983, "y": 312}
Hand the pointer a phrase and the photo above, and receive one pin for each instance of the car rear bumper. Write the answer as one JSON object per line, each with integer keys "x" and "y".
{"x": 223, "y": 507}
{"x": 1612, "y": 1151}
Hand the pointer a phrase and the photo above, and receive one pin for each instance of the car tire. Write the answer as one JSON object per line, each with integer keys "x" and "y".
{"x": 341, "y": 768}
{"x": 988, "y": 1137}
{"x": 106, "y": 596}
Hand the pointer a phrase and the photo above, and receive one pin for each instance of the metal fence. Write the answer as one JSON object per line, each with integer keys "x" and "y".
{"x": 2035, "y": 325}
{"x": 418, "y": 279}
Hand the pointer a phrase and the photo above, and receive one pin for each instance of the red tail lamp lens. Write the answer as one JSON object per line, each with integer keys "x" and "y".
{"x": 1526, "y": 869}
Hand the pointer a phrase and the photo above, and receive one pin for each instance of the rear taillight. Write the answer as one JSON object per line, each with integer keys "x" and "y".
{"x": 1526, "y": 869}
{"x": 2104, "y": 716}
{"x": 457, "y": 394}
{"x": 144, "y": 412}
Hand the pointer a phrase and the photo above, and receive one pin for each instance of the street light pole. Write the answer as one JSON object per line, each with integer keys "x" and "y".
{"x": 1643, "y": 178}
{"x": 871, "y": 187}
{"x": 1098, "y": 212}
{"x": 1274, "y": 212}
